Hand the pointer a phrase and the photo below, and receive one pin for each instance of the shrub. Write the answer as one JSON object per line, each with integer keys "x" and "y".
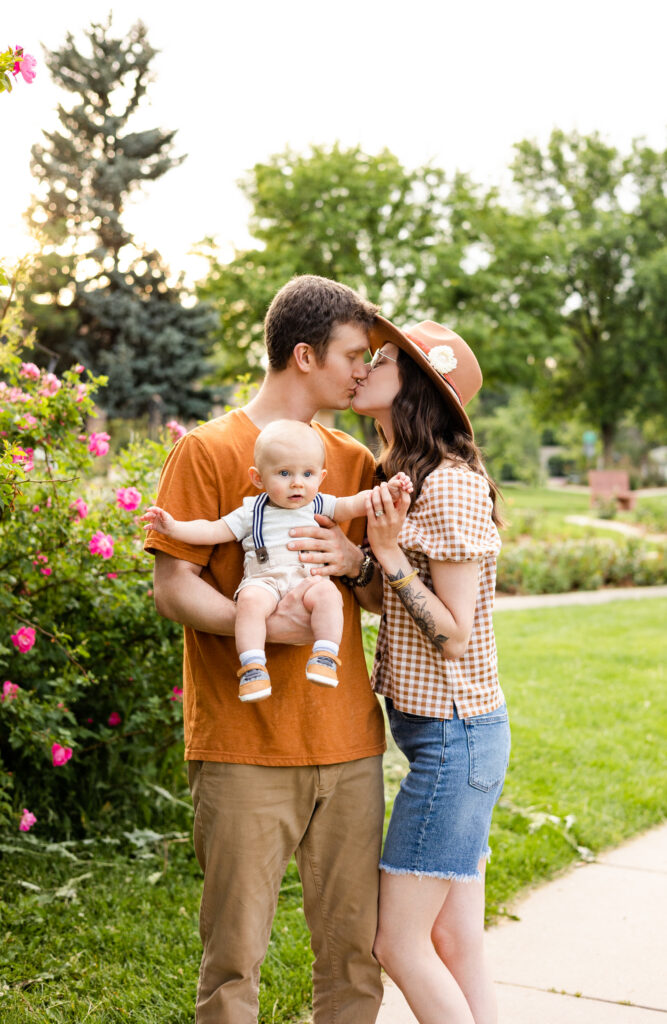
{"x": 90, "y": 720}
{"x": 652, "y": 513}
{"x": 539, "y": 567}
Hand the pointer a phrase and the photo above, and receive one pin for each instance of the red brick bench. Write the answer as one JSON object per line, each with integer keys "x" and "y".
{"x": 611, "y": 485}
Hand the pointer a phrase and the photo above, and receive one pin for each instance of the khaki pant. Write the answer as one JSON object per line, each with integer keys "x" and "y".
{"x": 249, "y": 820}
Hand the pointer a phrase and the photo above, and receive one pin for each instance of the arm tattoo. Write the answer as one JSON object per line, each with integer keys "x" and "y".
{"x": 415, "y": 605}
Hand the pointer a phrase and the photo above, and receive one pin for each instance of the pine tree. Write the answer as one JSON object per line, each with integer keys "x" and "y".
{"x": 122, "y": 317}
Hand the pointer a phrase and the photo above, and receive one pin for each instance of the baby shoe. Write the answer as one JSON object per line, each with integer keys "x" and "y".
{"x": 321, "y": 668}
{"x": 254, "y": 682}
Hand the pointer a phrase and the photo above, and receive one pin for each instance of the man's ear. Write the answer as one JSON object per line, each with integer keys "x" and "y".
{"x": 255, "y": 478}
{"x": 304, "y": 356}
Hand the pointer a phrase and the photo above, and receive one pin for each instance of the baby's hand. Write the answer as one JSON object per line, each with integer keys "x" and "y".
{"x": 400, "y": 483}
{"x": 157, "y": 519}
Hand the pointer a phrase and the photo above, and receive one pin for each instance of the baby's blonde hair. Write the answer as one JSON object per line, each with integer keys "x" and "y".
{"x": 293, "y": 434}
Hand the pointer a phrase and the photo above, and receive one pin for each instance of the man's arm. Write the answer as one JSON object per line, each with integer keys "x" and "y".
{"x": 183, "y": 596}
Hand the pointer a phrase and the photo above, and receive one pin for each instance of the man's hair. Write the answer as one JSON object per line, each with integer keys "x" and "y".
{"x": 306, "y": 310}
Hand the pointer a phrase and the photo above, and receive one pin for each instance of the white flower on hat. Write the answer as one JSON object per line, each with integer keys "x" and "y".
{"x": 442, "y": 358}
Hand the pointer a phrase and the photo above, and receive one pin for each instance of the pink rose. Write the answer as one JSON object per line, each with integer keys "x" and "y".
{"x": 26, "y": 421}
{"x": 112, "y": 575}
{"x": 176, "y": 429}
{"x": 35, "y": 508}
{"x": 114, "y": 719}
{"x": 128, "y": 498}
{"x": 24, "y": 457}
{"x": 177, "y": 694}
{"x": 50, "y": 385}
{"x": 81, "y": 392}
{"x": 98, "y": 444}
{"x": 9, "y": 690}
{"x": 29, "y": 370}
{"x": 27, "y": 820}
{"x": 101, "y": 544}
{"x": 24, "y": 638}
{"x": 81, "y": 508}
{"x": 79, "y": 368}
{"x": 60, "y": 755}
{"x": 25, "y": 64}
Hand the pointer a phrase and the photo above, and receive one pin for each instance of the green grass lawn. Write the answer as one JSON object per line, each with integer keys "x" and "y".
{"x": 109, "y": 937}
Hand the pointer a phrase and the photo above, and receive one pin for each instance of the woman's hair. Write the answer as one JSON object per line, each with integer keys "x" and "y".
{"x": 426, "y": 432}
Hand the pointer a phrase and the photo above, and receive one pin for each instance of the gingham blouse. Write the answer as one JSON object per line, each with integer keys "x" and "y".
{"x": 450, "y": 521}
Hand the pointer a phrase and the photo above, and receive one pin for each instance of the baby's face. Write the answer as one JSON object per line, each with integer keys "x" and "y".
{"x": 292, "y": 478}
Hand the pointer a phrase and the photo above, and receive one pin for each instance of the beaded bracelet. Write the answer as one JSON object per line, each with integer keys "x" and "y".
{"x": 404, "y": 580}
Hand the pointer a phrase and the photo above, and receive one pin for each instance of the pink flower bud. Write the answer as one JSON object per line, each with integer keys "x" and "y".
{"x": 114, "y": 719}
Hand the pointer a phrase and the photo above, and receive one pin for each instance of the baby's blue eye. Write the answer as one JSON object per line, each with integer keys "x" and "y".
{"x": 283, "y": 472}
{"x": 308, "y": 472}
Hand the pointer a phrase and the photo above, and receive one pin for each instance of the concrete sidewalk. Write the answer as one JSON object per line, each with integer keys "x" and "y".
{"x": 588, "y": 948}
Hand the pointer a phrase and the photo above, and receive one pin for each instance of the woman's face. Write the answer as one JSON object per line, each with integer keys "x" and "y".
{"x": 375, "y": 395}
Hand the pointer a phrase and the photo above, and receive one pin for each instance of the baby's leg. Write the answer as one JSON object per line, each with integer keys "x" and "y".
{"x": 325, "y": 605}
{"x": 254, "y": 604}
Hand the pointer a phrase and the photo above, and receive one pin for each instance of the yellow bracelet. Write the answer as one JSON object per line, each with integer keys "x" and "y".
{"x": 404, "y": 580}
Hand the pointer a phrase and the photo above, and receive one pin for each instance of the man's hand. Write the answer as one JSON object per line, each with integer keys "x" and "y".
{"x": 326, "y": 544}
{"x": 290, "y": 622}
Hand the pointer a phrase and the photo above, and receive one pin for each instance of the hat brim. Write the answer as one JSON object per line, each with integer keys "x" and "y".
{"x": 384, "y": 331}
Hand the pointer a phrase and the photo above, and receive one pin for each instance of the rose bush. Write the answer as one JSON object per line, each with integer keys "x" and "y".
{"x": 16, "y": 62}
{"x": 90, "y": 732}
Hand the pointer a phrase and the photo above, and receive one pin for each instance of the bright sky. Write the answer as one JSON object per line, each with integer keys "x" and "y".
{"x": 455, "y": 83}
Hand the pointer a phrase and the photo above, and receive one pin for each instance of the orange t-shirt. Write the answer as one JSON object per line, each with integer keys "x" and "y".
{"x": 206, "y": 477}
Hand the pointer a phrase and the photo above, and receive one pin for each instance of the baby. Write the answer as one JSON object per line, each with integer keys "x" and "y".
{"x": 289, "y": 457}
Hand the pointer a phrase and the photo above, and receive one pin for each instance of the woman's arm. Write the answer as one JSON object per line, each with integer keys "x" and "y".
{"x": 444, "y": 617}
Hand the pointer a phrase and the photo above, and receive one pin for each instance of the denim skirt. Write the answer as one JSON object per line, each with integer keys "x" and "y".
{"x": 442, "y": 813}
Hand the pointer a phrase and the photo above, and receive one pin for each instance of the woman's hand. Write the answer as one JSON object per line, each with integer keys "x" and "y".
{"x": 385, "y": 520}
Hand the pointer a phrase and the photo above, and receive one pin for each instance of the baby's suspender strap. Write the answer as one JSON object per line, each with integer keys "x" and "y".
{"x": 257, "y": 523}
{"x": 319, "y": 505}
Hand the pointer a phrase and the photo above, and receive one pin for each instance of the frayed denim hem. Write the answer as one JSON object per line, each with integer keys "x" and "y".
{"x": 449, "y": 876}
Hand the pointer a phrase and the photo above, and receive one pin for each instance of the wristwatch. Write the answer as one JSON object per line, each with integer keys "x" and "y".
{"x": 365, "y": 575}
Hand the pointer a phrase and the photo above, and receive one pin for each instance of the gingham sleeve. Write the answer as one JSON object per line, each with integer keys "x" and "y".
{"x": 451, "y": 520}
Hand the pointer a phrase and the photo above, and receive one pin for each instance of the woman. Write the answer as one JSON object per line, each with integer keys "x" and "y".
{"x": 436, "y": 667}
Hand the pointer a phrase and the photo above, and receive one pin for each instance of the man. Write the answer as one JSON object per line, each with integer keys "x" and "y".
{"x": 300, "y": 773}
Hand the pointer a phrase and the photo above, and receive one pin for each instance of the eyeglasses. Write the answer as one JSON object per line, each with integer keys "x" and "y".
{"x": 378, "y": 357}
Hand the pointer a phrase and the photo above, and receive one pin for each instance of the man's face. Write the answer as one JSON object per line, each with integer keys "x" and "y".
{"x": 335, "y": 380}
